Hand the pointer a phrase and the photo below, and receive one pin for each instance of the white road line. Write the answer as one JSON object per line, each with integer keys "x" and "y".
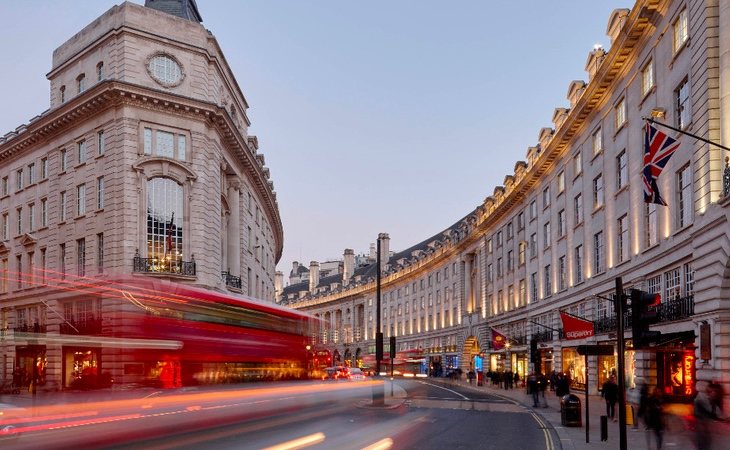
{"x": 446, "y": 389}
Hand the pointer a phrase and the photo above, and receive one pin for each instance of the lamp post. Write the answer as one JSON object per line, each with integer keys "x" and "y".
{"x": 378, "y": 389}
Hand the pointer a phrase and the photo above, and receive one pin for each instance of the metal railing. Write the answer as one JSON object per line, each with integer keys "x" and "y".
{"x": 91, "y": 326}
{"x": 677, "y": 309}
{"x": 156, "y": 265}
{"x": 231, "y": 281}
{"x": 543, "y": 336}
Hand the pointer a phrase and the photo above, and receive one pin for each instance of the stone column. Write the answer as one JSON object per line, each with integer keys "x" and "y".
{"x": 234, "y": 229}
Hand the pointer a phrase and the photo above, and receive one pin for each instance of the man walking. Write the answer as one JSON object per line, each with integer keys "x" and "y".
{"x": 609, "y": 392}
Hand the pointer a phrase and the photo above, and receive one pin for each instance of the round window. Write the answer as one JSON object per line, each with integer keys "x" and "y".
{"x": 165, "y": 70}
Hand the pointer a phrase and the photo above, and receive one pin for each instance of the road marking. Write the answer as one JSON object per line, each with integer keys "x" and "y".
{"x": 545, "y": 430}
{"x": 446, "y": 389}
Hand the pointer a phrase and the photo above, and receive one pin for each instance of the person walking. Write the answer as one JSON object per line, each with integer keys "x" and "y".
{"x": 654, "y": 418}
{"x": 533, "y": 390}
{"x": 609, "y": 392}
{"x": 705, "y": 412}
{"x": 542, "y": 386}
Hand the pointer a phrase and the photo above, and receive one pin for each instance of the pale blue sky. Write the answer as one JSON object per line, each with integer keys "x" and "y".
{"x": 380, "y": 116}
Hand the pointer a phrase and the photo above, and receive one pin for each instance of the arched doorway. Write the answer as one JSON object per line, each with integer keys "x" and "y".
{"x": 348, "y": 357}
{"x": 471, "y": 350}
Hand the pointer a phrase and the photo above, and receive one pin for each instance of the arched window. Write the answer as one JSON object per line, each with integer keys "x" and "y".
{"x": 164, "y": 222}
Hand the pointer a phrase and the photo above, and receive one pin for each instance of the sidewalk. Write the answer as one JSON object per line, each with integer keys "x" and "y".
{"x": 676, "y": 436}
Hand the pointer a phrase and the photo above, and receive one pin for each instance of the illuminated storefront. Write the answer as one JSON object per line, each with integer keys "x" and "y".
{"x": 574, "y": 365}
{"x": 676, "y": 374}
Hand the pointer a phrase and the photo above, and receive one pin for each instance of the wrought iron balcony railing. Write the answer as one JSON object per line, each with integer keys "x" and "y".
{"x": 677, "y": 309}
{"x": 231, "y": 281}
{"x": 91, "y": 326}
{"x": 163, "y": 266}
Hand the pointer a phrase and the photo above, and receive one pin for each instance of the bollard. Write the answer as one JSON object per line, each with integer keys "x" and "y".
{"x": 604, "y": 428}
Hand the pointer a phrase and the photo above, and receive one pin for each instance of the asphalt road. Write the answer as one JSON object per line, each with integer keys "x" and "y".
{"x": 318, "y": 415}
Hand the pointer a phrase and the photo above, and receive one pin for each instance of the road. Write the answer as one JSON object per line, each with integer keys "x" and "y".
{"x": 423, "y": 414}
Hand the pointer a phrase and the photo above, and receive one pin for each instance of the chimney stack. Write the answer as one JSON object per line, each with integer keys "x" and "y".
{"x": 294, "y": 272}
{"x": 349, "y": 270}
{"x": 373, "y": 252}
{"x": 384, "y": 249}
{"x": 313, "y": 275}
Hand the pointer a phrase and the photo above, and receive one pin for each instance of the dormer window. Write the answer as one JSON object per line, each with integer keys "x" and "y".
{"x": 81, "y": 83}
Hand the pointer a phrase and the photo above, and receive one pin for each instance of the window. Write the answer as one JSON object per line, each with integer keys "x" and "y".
{"x": 533, "y": 288}
{"x": 522, "y": 300}
{"x": 620, "y": 113}
{"x": 598, "y": 253}
{"x": 684, "y": 197}
{"x": 561, "y": 223}
{"x": 165, "y": 144}
{"x": 510, "y": 260}
{"x": 489, "y": 245}
{"x": 490, "y": 273}
{"x": 62, "y": 260}
{"x": 533, "y": 245}
{"x": 164, "y": 220}
{"x": 510, "y": 296}
{"x": 44, "y": 212}
{"x": 682, "y": 106}
{"x": 561, "y": 182}
{"x": 578, "y": 164}
{"x": 578, "y": 264}
{"x": 680, "y": 31}
{"x": 63, "y": 94}
{"x": 521, "y": 221}
{"x": 546, "y": 235}
{"x": 598, "y": 192}
{"x": 4, "y": 276}
{"x": 622, "y": 170}
{"x": 546, "y": 197}
{"x": 5, "y": 186}
{"x": 100, "y": 193}
{"x": 20, "y": 222}
{"x": 100, "y": 71}
{"x": 562, "y": 285}
{"x": 672, "y": 285}
{"x": 80, "y": 200}
{"x": 499, "y": 267}
{"x": 548, "y": 282}
{"x": 597, "y": 142}
{"x": 533, "y": 210}
{"x": 18, "y": 180}
{"x": 31, "y": 217}
{"x": 499, "y": 238}
{"x": 81, "y": 257}
{"x": 578, "y": 208}
{"x": 651, "y": 224}
{"x": 62, "y": 206}
{"x": 31, "y": 173}
{"x": 44, "y": 168}
{"x": 647, "y": 78}
{"x": 689, "y": 279}
{"x": 64, "y": 160}
{"x": 19, "y": 265}
{"x": 521, "y": 253}
{"x": 81, "y": 83}
{"x": 81, "y": 145}
{"x": 623, "y": 238}
{"x": 165, "y": 70}
{"x": 510, "y": 231}
{"x": 44, "y": 265}
{"x": 100, "y": 142}
{"x": 6, "y": 226}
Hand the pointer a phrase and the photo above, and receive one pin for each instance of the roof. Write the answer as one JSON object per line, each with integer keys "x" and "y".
{"x": 185, "y": 9}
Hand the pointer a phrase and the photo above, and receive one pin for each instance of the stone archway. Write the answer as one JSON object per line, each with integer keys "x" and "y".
{"x": 348, "y": 356}
{"x": 471, "y": 349}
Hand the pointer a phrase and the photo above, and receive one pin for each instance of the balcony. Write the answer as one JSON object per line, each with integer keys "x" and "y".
{"x": 543, "y": 336}
{"x": 230, "y": 280}
{"x": 677, "y": 309}
{"x": 163, "y": 266}
{"x": 91, "y": 326}
{"x": 35, "y": 328}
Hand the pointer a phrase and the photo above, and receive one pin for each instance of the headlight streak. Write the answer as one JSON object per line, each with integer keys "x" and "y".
{"x": 302, "y": 442}
{"x": 383, "y": 444}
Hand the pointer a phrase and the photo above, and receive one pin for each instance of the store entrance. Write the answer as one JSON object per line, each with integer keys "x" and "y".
{"x": 81, "y": 368}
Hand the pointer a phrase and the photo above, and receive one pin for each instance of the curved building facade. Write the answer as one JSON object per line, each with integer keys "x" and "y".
{"x": 142, "y": 167}
{"x": 570, "y": 220}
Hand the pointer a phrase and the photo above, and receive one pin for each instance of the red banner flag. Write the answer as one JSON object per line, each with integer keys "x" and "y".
{"x": 575, "y": 327}
{"x": 498, "y": 340}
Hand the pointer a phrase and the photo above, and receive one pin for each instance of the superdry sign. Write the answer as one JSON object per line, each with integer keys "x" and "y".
{"x": 575, "y": 327}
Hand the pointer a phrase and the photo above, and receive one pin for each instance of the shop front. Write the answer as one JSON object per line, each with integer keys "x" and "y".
{"x": 545, "y": 361}
{"x": 520, "y": 364}
{"x": 574, "y": 365}
{"x": 676, "y": 374}
{"x": 82, "y": 368}
{"x": 30, "y": 365}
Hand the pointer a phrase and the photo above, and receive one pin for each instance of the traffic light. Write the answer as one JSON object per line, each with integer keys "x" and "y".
{"x": 379, "y": 346}
{"x": 534, "y": 354}
{"x": 643, "y": 314}
{"x": 392, "y": 347}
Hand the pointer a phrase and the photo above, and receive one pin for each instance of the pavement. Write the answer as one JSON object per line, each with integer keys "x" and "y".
{"x": 676, "y": 436}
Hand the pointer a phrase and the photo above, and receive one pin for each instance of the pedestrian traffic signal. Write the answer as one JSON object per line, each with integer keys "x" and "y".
{"x": 643, "y": 314}
{"x": 392, "y": 347}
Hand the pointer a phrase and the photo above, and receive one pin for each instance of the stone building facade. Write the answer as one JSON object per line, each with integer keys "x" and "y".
{"x": 141, "y": 167}
{"x": 571, "y": 219}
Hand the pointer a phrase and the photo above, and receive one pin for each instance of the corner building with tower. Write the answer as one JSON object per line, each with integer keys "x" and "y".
{"x": 570, "y": 220}
{"x": 142, "y": 168}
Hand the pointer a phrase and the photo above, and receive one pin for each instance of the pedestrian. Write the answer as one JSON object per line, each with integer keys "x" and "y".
{"x": 553, "y": 380}
{"x": 562, "y": 385}
{"x": 609, "y": 392}
{"x": 654, "y": 418}
{"x": 533, "y": 390}
{"x": 705, "y": 413}
{"x": 517, "y": 379}
{"x": 471, "y": 375}
{"x": 542, "y": 386}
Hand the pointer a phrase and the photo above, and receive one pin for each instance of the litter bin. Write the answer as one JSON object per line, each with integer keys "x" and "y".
{"x": 570, "y": 411}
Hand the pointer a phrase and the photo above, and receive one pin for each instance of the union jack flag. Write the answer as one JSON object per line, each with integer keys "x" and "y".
{"x": 658, "y": 148}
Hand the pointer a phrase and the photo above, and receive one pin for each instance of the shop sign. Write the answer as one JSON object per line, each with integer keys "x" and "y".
{"x": 688, "y": 379}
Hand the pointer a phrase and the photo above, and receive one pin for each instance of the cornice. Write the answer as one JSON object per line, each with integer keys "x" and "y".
{"x": 112, "y": 93}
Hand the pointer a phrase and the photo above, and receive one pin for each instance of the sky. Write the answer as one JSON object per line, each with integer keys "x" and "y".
{"x": 381, "y": 116}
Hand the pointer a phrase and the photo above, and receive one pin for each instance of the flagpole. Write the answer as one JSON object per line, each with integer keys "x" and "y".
{"x": 686, "y": 133}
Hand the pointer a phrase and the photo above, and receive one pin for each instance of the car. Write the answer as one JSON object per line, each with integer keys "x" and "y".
{"x": 357, "y": 374}
{"x": 336, "y": 373}
{"x": 8, "y": 412}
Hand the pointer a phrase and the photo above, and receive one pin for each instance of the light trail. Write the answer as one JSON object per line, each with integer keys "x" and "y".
{"x": 302, "y": 442}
